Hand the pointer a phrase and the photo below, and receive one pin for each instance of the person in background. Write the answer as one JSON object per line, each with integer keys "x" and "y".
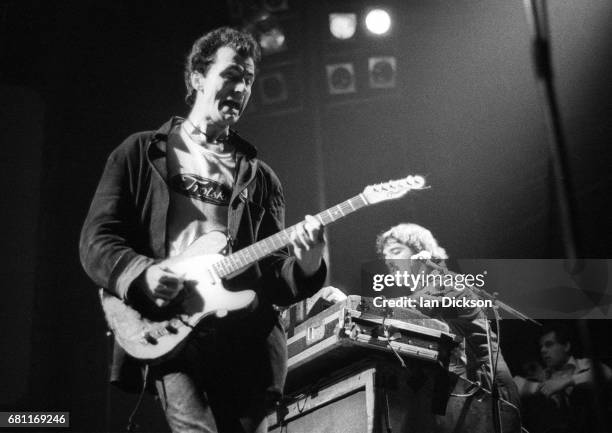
{"x": 558, "y": 397}
{"x": 413, "y": 248}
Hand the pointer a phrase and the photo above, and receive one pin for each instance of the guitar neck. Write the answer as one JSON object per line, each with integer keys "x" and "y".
{"x": 257, "y": 251}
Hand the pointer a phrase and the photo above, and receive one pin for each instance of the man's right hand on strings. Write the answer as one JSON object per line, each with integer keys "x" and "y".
{"x": 161, "y": 284}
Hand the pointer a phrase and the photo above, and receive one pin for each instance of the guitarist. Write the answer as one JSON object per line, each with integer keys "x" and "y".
{"x": 162, "y": 190}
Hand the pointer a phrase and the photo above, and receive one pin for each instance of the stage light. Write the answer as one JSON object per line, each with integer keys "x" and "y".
{"x": 272, "y": 41}
{"x": 382, "y": 72}
{"x": 378, "y": 21}
{"x": 342, "y": 25}
{"x": 272, "y": 88}
{"x": 266, "y": 29}
{"x": 340, "y": 78}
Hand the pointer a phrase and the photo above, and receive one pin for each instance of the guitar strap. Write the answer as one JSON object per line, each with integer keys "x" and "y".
{"x": 238, "y": 201}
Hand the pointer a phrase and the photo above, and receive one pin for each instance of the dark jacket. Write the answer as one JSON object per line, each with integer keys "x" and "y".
{"x": 471, "y": 323}
{"x": 125, "y": 229}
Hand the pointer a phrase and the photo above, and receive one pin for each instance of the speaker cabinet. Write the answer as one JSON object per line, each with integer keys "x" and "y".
{"x": 384, "y": 398}
{"x": 368, "y": 401}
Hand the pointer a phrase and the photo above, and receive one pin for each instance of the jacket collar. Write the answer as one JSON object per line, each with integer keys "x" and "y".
{"x": 160, "y": 138}
{"x": 246, "y": 164}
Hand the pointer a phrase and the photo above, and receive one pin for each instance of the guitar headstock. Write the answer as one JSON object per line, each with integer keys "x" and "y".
{"x": 393, "y": 189}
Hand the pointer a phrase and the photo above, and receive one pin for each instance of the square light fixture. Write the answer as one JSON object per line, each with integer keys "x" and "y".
{"x": 382, "y": 72}
{"x": 341, "y": 78}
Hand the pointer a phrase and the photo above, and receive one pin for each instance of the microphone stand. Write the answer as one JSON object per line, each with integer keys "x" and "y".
{"x": 537, "y": 20}
{"x": 493, "y": 367}
{"x": 497, "y": 305}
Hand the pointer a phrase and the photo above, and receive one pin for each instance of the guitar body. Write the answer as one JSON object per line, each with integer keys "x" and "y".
{"x": 154, "y": 335}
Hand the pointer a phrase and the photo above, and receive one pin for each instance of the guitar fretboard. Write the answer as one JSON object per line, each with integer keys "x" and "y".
{"x": 253, "y": 253}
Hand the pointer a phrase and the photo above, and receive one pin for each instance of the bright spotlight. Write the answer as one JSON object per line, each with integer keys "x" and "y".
{"x": 342, "y": 25}
{"x": 272, "y": 41}
{"x": 378, "y": 21}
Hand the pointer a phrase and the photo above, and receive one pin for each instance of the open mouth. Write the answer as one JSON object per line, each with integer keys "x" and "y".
{"x": 231, "y": 104}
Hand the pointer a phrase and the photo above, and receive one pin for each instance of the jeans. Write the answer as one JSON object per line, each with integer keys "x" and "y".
{"x": 221, "y": 381}
{"x": 189, "y": 410}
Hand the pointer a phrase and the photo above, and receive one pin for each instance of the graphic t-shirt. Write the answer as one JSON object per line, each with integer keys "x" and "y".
{"x": 201, "y": 182}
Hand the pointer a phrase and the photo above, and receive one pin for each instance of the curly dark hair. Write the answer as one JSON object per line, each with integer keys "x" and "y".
{"x": 204, "y": 50}
{"x": 414, "y": 236}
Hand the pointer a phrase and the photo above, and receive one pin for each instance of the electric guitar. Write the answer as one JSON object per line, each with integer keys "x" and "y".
{"x": 152, "y": 337}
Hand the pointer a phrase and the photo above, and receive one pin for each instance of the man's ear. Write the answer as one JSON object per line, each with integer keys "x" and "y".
{"x": 568, "y": 347}
{"x": 197, "y": 80}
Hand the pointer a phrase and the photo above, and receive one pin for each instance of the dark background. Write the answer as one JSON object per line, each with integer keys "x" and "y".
{"x": 78, "y": 77}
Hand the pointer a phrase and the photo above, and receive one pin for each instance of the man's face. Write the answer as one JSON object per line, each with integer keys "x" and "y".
{"x": 554, "y": 354}
{"x": 226, "y": 88}
{"x": 396, "y": 250}
{"x": 397, "y": 256}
